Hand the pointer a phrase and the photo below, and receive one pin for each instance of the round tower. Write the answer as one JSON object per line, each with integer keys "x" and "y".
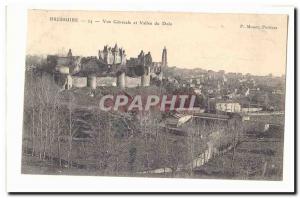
{"x": 92, "y": 82}
{"x": 145, "y": 79}
{"x": 121, "y": 80}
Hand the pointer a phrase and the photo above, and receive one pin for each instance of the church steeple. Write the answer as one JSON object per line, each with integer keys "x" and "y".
{"x": 164, "y": 61}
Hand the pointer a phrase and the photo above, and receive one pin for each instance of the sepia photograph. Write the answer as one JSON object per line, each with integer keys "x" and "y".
{"x": 155, "y": 94}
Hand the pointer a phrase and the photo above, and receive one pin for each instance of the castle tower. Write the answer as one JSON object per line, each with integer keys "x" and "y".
{"x": 115, "y": 52}
{"x": 70, "y": 53}
{"x": 100, "y": 55}
{"x": 145, "y": 79}
{"x": 123, "y": 58}
{"x": 92, "y": 81}
{"x": 121, "y": 83}
{"x": 164, "y": 61}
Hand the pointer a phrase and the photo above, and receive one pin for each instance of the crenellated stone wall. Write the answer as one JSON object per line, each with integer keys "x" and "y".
{"x": 106, "y": 81}
{"x": 133, "y": 82}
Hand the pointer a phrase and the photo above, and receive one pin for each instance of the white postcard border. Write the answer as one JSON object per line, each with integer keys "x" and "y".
{"x": 16, "y": 45}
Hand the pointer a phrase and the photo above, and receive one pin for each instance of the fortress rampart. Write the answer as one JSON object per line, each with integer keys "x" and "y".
{"x": 110, "y": 68}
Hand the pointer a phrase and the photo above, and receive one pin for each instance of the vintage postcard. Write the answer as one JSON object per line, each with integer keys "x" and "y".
{"x": 155, "y": 94}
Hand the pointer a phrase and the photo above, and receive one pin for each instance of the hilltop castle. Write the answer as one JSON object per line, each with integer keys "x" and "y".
{"x": 109, "y": 68}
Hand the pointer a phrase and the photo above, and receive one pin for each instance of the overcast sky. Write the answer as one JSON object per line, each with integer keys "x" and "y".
{"x": 208, "y": 41}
